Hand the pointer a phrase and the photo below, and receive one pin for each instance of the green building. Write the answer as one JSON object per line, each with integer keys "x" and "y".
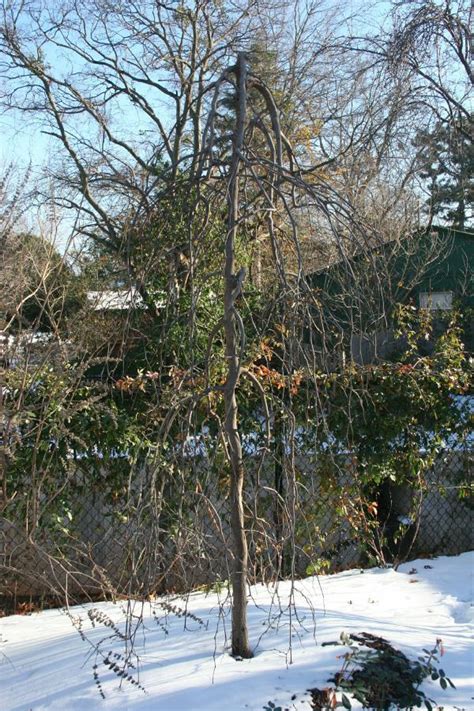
{"x": 431, "y": 270}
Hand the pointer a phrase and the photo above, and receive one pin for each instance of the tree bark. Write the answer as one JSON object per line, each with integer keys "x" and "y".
{"x": 233, "y": 347}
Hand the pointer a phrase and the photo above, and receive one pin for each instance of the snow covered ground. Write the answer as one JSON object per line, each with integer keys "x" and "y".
{"x": 46, "y": 665}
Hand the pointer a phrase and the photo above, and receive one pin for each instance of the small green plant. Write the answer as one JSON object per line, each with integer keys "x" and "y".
{"x": 218, "y": 587}
{"x": 381, "y": 677}
{"x": 319, "y": 567}
{"x": 270, "y": 706}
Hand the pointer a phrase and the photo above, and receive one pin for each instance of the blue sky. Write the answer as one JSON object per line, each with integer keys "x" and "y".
{"x": 21, "y": 141}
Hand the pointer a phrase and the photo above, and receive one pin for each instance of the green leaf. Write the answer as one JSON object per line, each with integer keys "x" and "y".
{"x": 443, "y": 682}
{"x": 346, "y": 702}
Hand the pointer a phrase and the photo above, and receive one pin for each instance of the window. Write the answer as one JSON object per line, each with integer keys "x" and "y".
{"x": 436, "y": 300}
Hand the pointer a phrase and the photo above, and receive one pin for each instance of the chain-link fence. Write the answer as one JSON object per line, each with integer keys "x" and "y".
{"x": 172, "y": 532}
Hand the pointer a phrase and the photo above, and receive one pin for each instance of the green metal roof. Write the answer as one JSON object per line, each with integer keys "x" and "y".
{"x": 420, "y": 268}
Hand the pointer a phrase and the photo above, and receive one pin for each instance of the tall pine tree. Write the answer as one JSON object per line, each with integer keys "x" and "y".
{"x": 447, "y": 165}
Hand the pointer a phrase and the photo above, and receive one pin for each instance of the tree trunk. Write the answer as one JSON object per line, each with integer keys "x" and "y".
{"x": 233, "y": 346}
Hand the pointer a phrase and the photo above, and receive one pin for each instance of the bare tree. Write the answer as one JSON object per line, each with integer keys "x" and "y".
{"x": 427, "y": 47}
{"x": 431, "y": 41}
{"x": 265, "y": 179}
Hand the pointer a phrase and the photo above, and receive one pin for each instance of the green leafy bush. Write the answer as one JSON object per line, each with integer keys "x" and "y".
{"x": 381, "y": 677}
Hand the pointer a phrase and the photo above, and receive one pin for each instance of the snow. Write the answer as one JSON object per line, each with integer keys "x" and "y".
{"x": 44, "y": 663}
{"x": 115, "y": 299}
{"x": 118, "y": 299}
